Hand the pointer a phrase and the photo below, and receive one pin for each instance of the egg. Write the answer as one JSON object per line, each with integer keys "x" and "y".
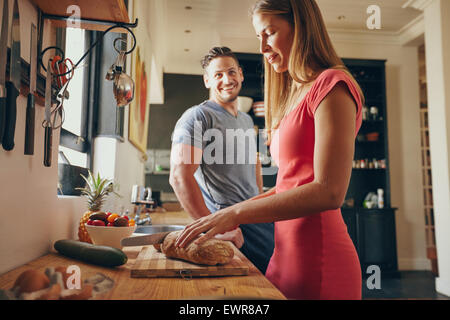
{"x": 31, "y": 280}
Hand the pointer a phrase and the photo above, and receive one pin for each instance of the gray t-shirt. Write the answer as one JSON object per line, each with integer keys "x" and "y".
{"x": 227, "y": 173}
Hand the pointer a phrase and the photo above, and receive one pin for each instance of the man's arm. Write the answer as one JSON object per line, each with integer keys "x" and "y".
{"x": 185, "y": 160}
{"x": 259, "y": 178}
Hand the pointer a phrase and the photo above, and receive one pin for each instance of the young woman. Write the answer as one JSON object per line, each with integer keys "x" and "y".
{"x": 313, "y": 114}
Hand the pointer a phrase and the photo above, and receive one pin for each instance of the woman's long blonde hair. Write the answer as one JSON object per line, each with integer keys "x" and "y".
{"x": 311, "y": 52}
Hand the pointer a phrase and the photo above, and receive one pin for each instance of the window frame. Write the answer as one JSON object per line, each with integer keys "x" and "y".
{"x": 83, "y": 142}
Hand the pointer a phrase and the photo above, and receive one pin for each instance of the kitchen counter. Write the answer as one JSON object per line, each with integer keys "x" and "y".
{"x": 254, "y": 285}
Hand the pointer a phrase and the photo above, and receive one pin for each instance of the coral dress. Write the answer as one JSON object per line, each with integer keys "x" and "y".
{"x": 314, "y": 256}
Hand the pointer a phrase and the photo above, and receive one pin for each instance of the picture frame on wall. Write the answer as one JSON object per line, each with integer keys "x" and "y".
{"x": 139, "y": 107}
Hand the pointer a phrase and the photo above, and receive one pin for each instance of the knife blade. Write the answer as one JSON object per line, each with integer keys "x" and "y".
{"x": 3, "y": 54}
{"x": 30, "y": 114}
{"x": 144, "y": 240}
{"x": 13, "y": 86}
{"x": 47, "y": 118}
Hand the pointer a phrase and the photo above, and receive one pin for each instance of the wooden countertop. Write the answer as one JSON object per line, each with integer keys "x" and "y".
{"x": 254, "y": 285}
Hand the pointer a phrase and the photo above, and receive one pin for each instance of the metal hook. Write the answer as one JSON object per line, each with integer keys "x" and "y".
{"x": 123, "y": 42}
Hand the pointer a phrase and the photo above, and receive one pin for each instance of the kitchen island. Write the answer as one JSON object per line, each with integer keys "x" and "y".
{"x": 253, "y": 285}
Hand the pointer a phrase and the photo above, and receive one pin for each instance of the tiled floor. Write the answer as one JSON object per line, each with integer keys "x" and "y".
{"x": 408, "y": 285}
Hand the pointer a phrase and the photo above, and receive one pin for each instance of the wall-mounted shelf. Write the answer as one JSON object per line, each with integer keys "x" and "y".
{"x": 95, "y": 15}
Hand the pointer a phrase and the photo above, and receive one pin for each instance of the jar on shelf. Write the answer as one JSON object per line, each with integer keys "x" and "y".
{"x": 373, "y": 113}
{"x": 365, "y": 113}
{"x": 375, "y": 164}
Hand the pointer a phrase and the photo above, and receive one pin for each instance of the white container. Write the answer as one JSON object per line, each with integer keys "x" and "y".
{"x": 380, "y": 198}
{"x": 244, "y": 104}
{"x": 109, "y": 236}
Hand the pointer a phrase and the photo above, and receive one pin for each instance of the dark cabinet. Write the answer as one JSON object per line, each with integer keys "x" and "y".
{"x": 372, "y": 230}
{"x": 373, "y": 234}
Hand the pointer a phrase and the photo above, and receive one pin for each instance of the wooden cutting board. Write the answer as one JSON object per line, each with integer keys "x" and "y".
{"x": 151, "y": 263}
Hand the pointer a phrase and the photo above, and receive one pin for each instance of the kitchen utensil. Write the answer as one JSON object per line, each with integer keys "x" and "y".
{"x": 151, "y": 264}
{"x": 123, "y": 85}
{"x": 47, "y": 118}
{"x": 13, "y": 86}
{"x": 144, "y": 240}
{"x": 3, "y": 54}
{"x": 50, "y": 124}
{"x": 30, "y": 113}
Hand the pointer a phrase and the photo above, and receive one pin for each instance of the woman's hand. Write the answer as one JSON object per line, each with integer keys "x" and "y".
{"x": 217, "y": 223}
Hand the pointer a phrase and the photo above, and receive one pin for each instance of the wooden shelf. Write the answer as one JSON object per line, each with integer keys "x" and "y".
{"x": 106, "y": 11}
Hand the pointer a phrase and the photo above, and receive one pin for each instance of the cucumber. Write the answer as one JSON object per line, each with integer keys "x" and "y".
{"x": 90, "y": 253}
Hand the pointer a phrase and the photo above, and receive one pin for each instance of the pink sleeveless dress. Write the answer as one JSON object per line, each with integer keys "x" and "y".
{"x": 314, "y": 256}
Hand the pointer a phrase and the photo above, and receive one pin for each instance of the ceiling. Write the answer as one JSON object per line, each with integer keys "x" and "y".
{"x": 227, "y": 22}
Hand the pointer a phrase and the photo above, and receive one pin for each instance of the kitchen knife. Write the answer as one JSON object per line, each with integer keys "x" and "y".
{"x": 13, "y": 86}
{"x": 47, "y": 119}
{"x": 3, "y": 54}
{"x": 144, "y": 240}
{"x": 30, "y": 116}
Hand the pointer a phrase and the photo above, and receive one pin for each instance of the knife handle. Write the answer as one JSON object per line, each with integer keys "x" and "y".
{"x": 48, "y": 146}
{"x": 10, "y": 118}
{"x": 2, "y": 117}
{"x": 29, "y": 125}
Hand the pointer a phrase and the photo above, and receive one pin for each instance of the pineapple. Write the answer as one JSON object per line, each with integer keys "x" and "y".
{"x": 96, "y": 191}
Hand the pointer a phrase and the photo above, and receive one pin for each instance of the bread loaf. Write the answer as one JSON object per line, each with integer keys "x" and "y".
{"x": 210, "y": 252}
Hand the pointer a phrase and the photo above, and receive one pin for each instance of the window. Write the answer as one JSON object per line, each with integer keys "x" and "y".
{"x": 74, "y": 115}
{"x": 75, "y": 142}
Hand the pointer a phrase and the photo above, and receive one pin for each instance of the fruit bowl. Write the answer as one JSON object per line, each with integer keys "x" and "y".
{"x": 109, "y": 236}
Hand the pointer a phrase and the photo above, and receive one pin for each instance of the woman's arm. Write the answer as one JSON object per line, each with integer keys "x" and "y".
{"x": 335, "y": 121}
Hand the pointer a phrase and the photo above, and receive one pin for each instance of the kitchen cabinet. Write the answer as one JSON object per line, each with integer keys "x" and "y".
{"x": 373, "y": 234}
{"x": 253, "y": 87}
{"x": 371, "y": 160}
{"x": 106, "y": 12}
{"x": 372, "y": 230}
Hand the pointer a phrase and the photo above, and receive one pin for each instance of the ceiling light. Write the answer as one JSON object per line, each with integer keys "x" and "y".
{"x": 188, "y": 8}
{"x": 186, "y": 50}
{"x": 187, "y": 31}
{"x": 341, "y": 17}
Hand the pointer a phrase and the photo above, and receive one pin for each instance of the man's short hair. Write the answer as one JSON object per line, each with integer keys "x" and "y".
{"x": 218, "y": 52}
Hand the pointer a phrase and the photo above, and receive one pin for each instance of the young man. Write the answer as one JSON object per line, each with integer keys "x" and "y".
{"x": 213, "y": 159}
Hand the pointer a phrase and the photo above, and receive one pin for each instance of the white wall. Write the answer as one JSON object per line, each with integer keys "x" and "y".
{"x": 32, "y": 215}
{"x": 437, "y": 35}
